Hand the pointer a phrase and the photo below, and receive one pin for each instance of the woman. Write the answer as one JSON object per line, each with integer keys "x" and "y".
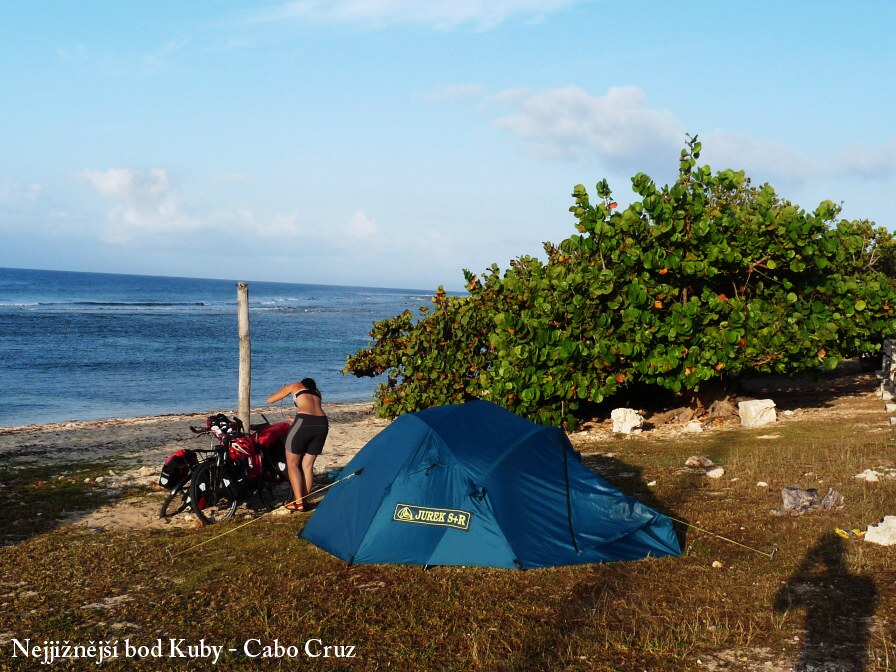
{"x": 306, "y": 437}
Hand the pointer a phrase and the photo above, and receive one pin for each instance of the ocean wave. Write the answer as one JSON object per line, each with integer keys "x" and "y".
{"x": 129, "y": 304}
{"x": 276, "y": 309}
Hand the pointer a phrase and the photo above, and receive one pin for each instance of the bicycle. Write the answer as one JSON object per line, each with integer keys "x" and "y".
{"x": 177, "y": 474}
{"x": 239, "y": 468}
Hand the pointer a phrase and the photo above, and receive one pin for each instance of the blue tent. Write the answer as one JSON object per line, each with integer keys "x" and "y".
{"x": 473, "y": 484}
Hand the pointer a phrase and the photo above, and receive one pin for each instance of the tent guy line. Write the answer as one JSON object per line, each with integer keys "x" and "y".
{"x": 171, "y": 555}
{"x": 730, "y": 541}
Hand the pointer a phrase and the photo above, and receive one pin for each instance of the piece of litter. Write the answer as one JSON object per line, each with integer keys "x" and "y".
{"x": 769, "y": 436}
{"x": 651, "y": 484}
{"x": 869, "y": 475}
{"x": 849, "y": 534}
{"x": 762, "y": 484}
{"x": 884, "y": 533}
{"x": 797, "y": 501}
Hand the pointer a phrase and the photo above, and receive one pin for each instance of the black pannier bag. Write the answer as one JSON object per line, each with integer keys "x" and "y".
{"x": 177, "y": 467}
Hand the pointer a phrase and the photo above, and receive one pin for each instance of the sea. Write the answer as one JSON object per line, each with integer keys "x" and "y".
{"x": 86, "y": 346}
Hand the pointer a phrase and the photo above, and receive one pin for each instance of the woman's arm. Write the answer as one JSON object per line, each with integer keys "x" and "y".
{"x": 283, "y": 392}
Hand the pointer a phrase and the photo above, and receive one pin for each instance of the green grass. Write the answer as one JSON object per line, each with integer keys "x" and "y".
{"x": 658, "y": 614}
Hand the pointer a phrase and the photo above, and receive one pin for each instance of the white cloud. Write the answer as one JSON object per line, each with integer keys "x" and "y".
{"x": 481, "y": 14}
{"x": 763, "y": 160}
{"x": 621, "y": 131}
{"x": 617, "y": 127}
{"x": 865, "y": 161}
{"x": 282, "y": 226}
{"x": 146, "y": 204}
{"x": 362, "y": 226}
{"x": 16, "y": 194}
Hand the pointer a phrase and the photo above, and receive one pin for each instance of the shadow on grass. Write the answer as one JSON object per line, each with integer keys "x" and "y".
{"x": 839, "y": 608}
{"x": 34, "y": 501}
{"x": 604, "y": 589}
{"x": 816, "y": 389}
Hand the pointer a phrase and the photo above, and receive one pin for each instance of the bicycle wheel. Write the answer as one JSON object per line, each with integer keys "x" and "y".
{"x": 272, "y": 495}
{"x": 207, "y": 494}
{"x": 178, "y": 500}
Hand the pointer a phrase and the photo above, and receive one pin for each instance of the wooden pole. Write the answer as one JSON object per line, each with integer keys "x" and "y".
{"x": 242, "y": 304}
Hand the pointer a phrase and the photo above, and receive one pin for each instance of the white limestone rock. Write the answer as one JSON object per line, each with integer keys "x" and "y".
{"x": 757, "y": 412}
{"x": 693, "y": 427}
{"x": 716, "y": 472}
{"x": 626, "y": 421}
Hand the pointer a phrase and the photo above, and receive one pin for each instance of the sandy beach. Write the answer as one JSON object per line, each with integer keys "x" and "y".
{"x": 136, "y": 448}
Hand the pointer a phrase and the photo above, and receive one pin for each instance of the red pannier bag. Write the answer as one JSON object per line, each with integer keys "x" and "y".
{"x": 177, "y": 466}
{"x": 272, "y": 435}
{"x": 271, "y": 442}
{"x": 244, "y": 448}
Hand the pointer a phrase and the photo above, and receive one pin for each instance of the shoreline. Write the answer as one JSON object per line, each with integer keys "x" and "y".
{"x": 75, "y": 424}
{"x": 147, "y": 441}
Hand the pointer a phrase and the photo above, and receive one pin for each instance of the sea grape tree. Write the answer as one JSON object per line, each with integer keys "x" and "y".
{"x": 692, "y": 282}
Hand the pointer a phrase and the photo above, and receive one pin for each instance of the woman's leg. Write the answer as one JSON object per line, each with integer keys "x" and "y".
{"x": 308, "y": 471}
{"x": 294, "y": 471}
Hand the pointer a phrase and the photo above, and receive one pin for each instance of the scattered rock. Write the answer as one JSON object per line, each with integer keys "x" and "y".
{"x": 716, "y": 472}
{"x": 757, "y": 412}
{"x": 108, "y": 602}
{"x": 717, "y": 565}
{"x": 693, "y": 427}
{"x": 890, "y": 408}
{"x": 371, "y": 587}
{"x": 698, "y": 461}
{"x": 884, "y": 533}
{"x": 651, "y": 484}
{"x": 789, "y": 413}
{"x": 99, "y": 479}
{"x": 626, "y": 421}
{"x": 869, "y": 475}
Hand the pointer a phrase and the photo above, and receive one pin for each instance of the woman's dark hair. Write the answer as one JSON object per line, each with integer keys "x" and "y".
{"x": 309, "y": 384}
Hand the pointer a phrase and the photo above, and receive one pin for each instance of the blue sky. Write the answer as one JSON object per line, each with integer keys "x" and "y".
{"x": 395, "y": 142}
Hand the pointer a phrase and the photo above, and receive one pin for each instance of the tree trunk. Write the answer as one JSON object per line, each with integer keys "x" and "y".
{"x": 242, "y": 304}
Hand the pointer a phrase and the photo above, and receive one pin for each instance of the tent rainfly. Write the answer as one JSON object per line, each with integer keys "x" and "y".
{"x": 474, "y": 484}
